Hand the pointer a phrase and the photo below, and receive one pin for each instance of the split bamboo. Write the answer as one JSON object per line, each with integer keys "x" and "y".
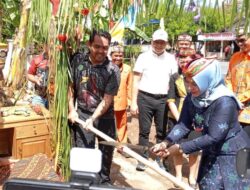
{"x": 140, "y": 158}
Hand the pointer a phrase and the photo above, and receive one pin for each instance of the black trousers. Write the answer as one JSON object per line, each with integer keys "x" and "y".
{"x": 151, "y": 108}
{"x": 86, "y": 139}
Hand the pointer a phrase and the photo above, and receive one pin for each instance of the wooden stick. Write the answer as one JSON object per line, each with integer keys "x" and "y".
{"x": 140, "y": 158}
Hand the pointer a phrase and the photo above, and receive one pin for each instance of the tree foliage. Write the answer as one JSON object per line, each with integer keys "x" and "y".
{"x": 214, "y": 17}
{"x": 9, "y": 18}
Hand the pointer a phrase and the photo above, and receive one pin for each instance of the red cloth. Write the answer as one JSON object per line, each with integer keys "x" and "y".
{"x": 55, "y": 4}
{"x": 37, "y": 62}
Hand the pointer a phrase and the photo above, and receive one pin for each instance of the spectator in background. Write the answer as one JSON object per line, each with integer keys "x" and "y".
{"x": 184, "y": 41}
{"x": 38, "y": 74}
{"x": 152, "y": 72}
{"x": 227, "y": 51}
{"x": 238, "y": 77}
{"x": 123, "y": 98}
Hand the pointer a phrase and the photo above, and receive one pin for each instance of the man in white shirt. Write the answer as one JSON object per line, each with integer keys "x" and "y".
{"x": 152, "y": 72}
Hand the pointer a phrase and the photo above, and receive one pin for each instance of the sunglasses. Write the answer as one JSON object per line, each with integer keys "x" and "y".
{"x": 241, "y": 40}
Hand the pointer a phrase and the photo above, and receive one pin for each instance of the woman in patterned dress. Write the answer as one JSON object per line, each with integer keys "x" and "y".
{"x": 211, "y": 108}
{"x": 176, "y": 95}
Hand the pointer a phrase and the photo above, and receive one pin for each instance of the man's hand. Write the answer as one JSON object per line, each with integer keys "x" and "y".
{"x": 73, "y": 116}
{"x": 134, "y": 109}
{"x": 88, "y": 123}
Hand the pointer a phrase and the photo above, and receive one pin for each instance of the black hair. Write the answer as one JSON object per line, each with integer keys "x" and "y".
{"x": 102, "y": 33}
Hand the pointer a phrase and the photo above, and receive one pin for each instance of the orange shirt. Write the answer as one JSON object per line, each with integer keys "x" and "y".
{"x": 123, "y": 97}
{"x": 238, "y": 80}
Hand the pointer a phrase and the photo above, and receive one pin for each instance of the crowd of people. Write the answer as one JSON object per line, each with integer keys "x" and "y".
{"x": 194, "y": 111}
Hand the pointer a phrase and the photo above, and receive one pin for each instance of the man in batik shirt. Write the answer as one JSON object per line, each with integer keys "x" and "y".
{"x": 238, "y": 77}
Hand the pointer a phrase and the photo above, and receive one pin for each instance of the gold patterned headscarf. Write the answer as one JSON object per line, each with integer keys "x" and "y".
{"x": 196, "y": 66}
{"x": 207, "y": 76}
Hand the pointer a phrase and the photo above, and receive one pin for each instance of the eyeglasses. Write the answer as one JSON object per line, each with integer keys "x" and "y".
{"x": 241, "y": 40}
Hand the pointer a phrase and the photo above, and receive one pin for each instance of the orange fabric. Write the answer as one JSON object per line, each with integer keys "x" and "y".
{"x": 237, "y": 80}
{"x": 123, "y": 98}
{"x": 121, "y": 126}
{"x": 122, "y": 101}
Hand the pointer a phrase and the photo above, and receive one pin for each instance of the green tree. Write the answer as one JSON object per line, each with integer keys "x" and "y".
{"x": 9, "y": 18}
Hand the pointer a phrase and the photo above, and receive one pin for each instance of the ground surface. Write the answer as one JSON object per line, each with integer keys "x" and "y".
{"x": 124, "y": 173}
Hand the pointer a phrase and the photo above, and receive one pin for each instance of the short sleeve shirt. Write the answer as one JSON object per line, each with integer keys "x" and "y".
{"x": 91, "y": 82}
{"x": 156, "y": 71}
{"x": 39, "y": 67}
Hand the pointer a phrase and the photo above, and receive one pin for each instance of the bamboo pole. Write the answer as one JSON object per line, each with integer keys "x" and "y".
{"x": 19, "y": 56}
{"x": 140, "y": 158}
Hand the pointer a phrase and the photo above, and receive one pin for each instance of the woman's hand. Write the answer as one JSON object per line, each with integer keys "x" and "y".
{"x": 160, "y": 149}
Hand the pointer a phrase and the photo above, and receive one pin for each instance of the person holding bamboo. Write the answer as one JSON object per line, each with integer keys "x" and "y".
{"x": 95, "y": 82}
{"x": 176, "y": 95}
{"x": 211, "y": 108}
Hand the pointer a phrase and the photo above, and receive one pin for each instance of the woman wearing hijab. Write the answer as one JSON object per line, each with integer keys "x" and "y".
{"x": 176, "y": 95}
{"x": 211, "y": 108}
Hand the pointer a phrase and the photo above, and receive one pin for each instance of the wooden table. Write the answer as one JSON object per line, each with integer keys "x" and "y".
{"x": 23, "y": 136}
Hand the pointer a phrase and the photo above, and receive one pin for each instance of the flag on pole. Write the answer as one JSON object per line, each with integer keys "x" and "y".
{"x": 198, "y": 16}
{"x": 117, "y": 32}
{"x": 127, "y": 21}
